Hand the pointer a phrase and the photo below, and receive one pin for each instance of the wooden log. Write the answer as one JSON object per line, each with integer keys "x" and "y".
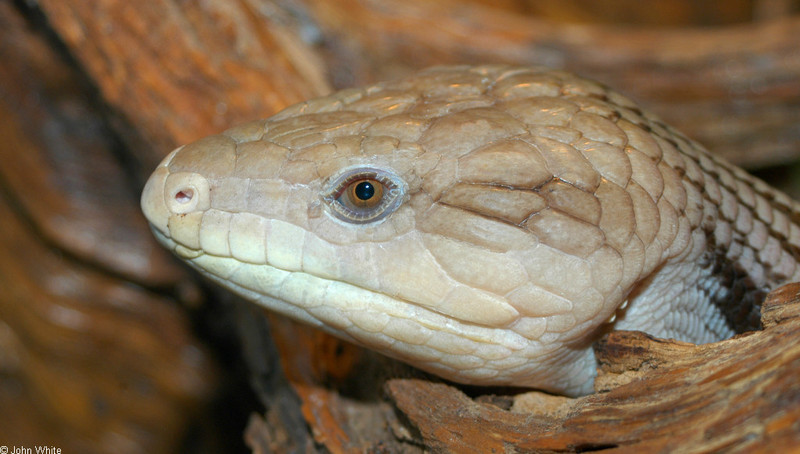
{"x": 61, "y": 165}
{"x": 171, "y": 72}
{"x": 177, "y": 71}
{"x": 736, "y": 89}
{"x": 90, "y": 360}
{"x": 653, "y": 395}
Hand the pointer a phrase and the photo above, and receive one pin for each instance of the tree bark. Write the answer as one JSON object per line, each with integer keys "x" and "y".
{"x": 95, "y": 319}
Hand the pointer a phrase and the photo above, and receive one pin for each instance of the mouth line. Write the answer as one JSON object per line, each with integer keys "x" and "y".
{"x": 309, "y": 293}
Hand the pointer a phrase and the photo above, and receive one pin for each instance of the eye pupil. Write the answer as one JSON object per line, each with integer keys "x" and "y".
{"x": 364, "y": 190}
{"x": 364, "y": 195}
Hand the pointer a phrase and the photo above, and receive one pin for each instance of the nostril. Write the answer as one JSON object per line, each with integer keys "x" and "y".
{"x": 186, "y": 192}
{"x": 184, "y": 196}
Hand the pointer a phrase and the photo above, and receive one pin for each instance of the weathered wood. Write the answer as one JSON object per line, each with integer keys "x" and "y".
{"x": 89, "y": 361}
{"x": 736, "y": 89}
{"x": 654, "y": 395}
{"x": 176, "y": 71}
{"x": 103, "y": 361}
{"x": 59, "y": 162}
{"x": 339, "y": 385}
{"x": 169, "y": 72}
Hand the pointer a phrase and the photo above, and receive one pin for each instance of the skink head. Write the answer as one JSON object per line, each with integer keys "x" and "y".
{"x": 456, "y": 219}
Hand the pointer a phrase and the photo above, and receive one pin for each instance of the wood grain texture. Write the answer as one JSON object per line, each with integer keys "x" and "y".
{"x": 90, "y": 360}
{"x": 179, "y": 69}
{"x": 721, "y": 86}
{"x": 739, "y": 395}
{"x": 168, "y": 72}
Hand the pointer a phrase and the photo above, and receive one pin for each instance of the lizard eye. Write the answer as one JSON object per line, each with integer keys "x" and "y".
{"x": 364, "y": 195}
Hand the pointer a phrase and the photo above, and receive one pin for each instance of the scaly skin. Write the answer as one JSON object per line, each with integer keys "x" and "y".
{"x": 524, "y": 212}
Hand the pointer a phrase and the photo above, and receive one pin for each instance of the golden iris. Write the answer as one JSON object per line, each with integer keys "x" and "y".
{"x": 364, "y": 195}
